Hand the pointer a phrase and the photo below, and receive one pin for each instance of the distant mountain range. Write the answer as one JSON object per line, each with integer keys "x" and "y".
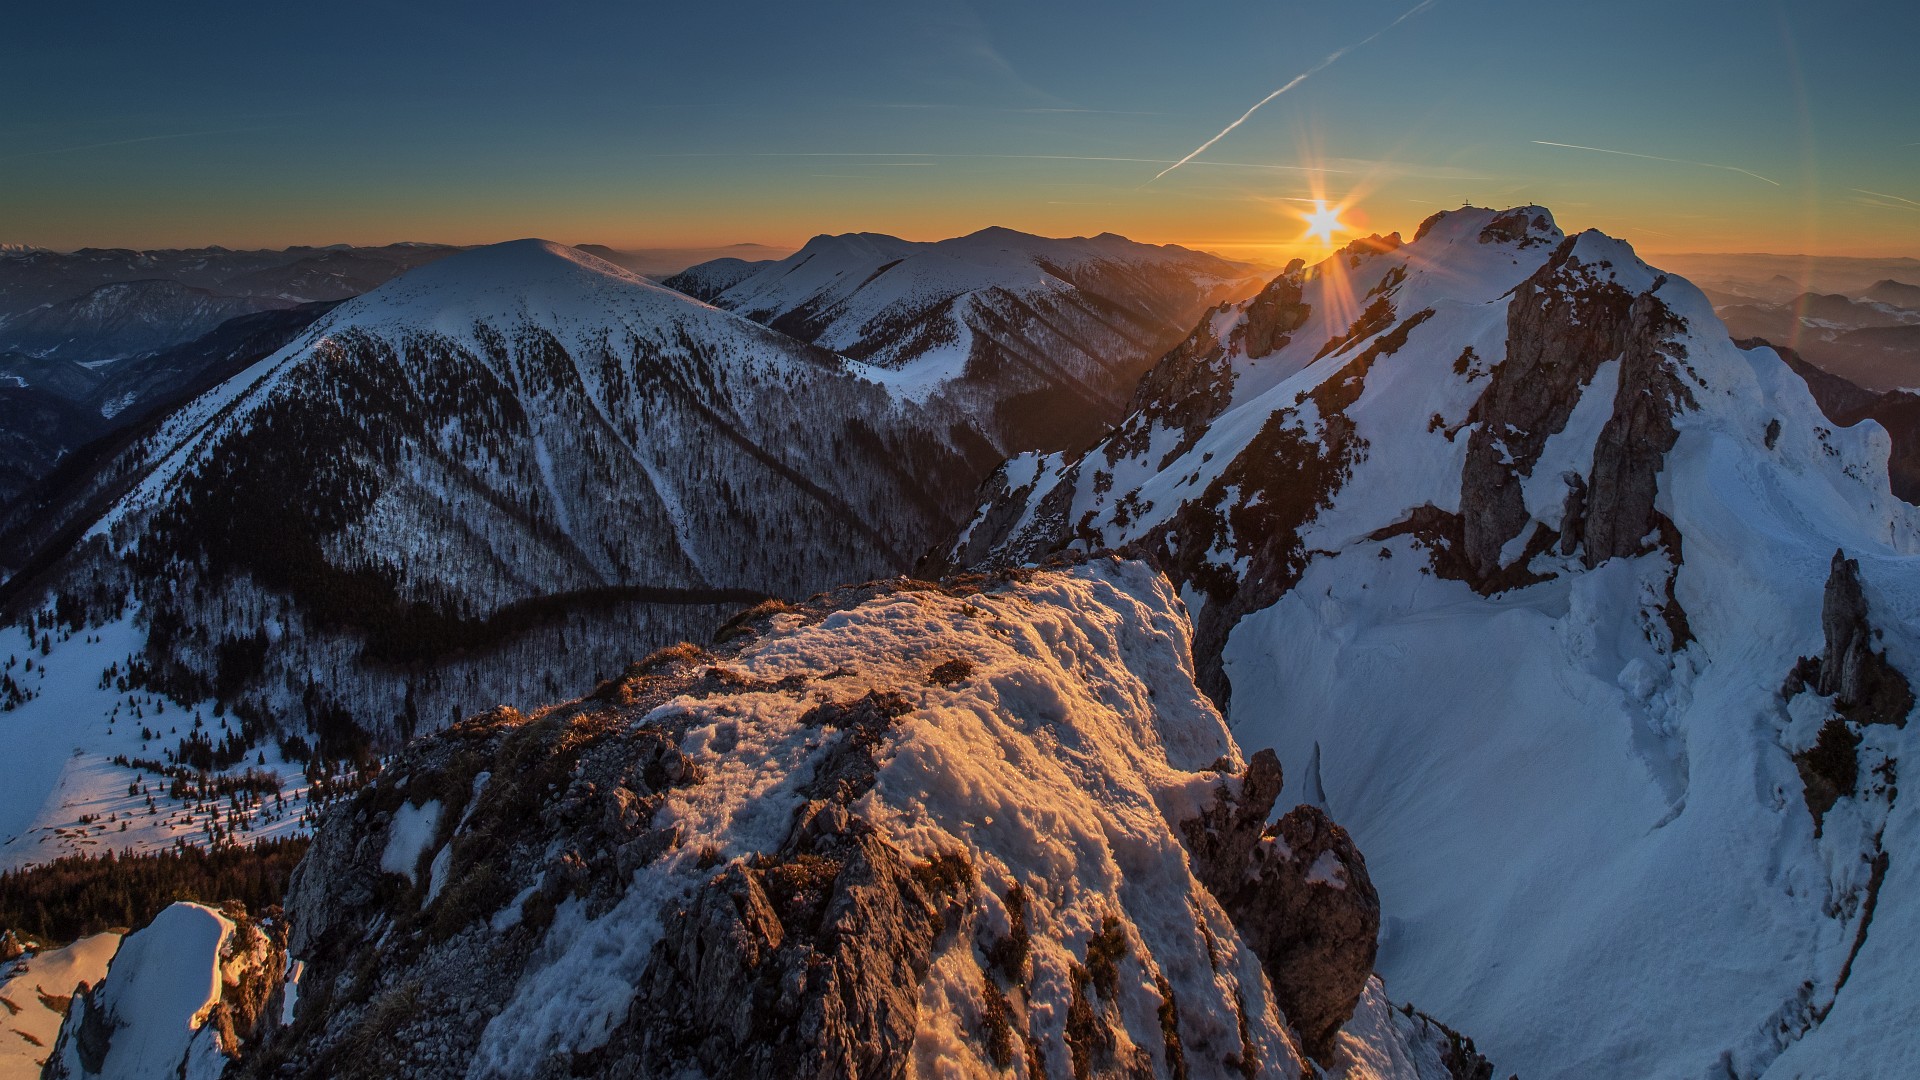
{"x": 1591, "y": 627}
{"x": 1047, "y": 337}
{"x": 458, "y": 483}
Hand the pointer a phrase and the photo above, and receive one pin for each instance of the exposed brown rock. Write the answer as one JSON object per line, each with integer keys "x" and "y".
{"x": 1275, "y": 313}
{"x": 1298, "y": 892}
{"x": 829, "y": 990}
{"x": 1634, "y": 443}
{"x": 1563, "y": 323}
{"x": 1866, "y": 688}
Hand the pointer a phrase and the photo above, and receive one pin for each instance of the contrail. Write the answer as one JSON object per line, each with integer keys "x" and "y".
{"x": 1296, "y": 81}
{"x": 994, "y": 157}
{"x": 1656, "y": 157}
{"x": 1884, "y": 195}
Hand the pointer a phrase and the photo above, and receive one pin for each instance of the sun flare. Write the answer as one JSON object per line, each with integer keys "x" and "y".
{"x": 1323, "y": 222}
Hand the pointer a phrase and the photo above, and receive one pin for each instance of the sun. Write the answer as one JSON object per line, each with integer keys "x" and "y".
{"x": 1322, "y": 223}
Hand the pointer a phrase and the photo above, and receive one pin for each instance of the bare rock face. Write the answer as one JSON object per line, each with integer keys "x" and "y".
{"x": 1276, "y": 313}
{"x": 1298, "y": 892}
{"x": 1564, "y": 322}
{"x": 1619, "y": 511}
{"x": 806, "y": 964}
{"x": 1866, "y": 688}
{"x": 1521, "y": 226}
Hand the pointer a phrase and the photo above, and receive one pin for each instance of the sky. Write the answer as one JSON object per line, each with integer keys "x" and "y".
{"x": 1761, "y": 125}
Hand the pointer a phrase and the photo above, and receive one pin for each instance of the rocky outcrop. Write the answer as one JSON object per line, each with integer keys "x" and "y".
{"x": 1275, "y": 313}
{"x": 1619, "y": 514}
{"x": 155, "y": 1015}
{"x": 805, "y": 963}
{"x": 1298, "y": 892}
{"x": 830, "y": 844}
{"x": 1259, "y": 505}
{"x": 1522, "y": 226}
{"x": 1564, "y": 322}
{"x": 1865, "y": 687}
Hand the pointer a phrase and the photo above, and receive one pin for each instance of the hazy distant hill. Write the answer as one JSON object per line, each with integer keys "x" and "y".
{"x": 660, "y": 263}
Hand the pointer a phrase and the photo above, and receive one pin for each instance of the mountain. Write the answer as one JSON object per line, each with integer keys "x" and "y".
{"x": 900, "y": 829}
{"x": 1586, "y": 623}
{"x": 709, "y": 280}
{"x": 118, "y": 332}
{"x": 38, "y": 278}
{"x": 1866, "y": 340}
{"x": 100, "y": 304}
{"x": 1777, "y": 279}
{"x": 121, "y": 319}
{"x": 1893, "y": 293}
{"x": 657, "y": 263}
{"x": 494, "y": 479}
{"x": 37, "y": 428}
{"x": 1846, "y": 404}
{"x": 64, "y": 457}
{"x": 1045, "y": 336}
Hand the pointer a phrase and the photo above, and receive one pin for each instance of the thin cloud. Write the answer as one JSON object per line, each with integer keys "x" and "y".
{"x": 1656, "y": 157}
{"x": 1296, "y": 81}
{"x": 1882, "y": 202}
{"x": 1884, "y": 195}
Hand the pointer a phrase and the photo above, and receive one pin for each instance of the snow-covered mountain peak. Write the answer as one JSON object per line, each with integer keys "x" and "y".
{"x": 1499, "y": 537}
{"x": 1043, "y": 337}
{"x": 851, "y": 246}
{"x": 503, "y": 447}
{"x": 534, "y": 282}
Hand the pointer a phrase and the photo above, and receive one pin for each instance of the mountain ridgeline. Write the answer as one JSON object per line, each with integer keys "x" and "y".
{"x": 510, "y": 470}
{"x": 901, "y": 829}
{"x": 1496, "y": 537}
{"x": 1590, "y": 627}
{"x": 1042, "y": 339}
{"x": 93, "y": 340}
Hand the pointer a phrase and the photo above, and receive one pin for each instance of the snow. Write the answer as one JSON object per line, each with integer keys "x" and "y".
{"x": 411, "y": 834}
{"x": 1062, "y": 763}
{"x": 62, "y": 743}
{"x": 583, "y": 301}
{"x": 159, "y": 991}
{"x": 28, "y": 1025}
{"x": 1592, "y": 852}
{"x": 290, "y": 998}
{"x": 1539, "y": 790}
{"x": 864, "y": 291}
{"x": 1326, "y": 870}
{"x": 1382, "y": 1041}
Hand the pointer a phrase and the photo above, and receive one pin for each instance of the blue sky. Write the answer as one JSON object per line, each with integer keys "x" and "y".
{"x": 646, "y": 124}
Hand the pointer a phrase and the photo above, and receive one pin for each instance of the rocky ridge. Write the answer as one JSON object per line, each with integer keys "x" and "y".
{"x": 988, "y": 824}
{"x": 1504, "y": 548}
